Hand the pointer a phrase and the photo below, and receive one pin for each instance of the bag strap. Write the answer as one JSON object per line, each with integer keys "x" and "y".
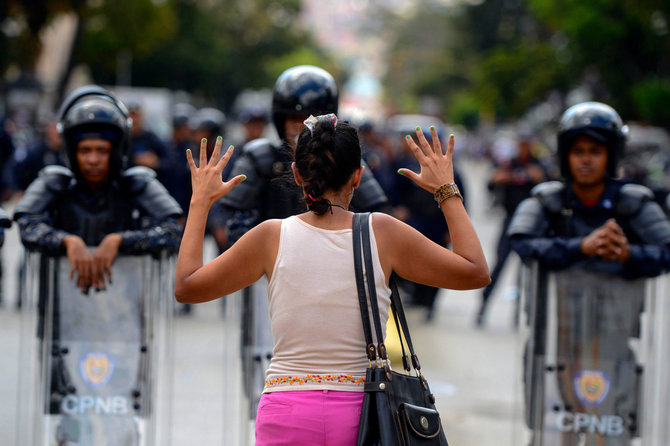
{"x": 396, "y": 304}
{"x": 394, "y": 290}
{"x": 370, "y": 349}
{"x": 372, "y": 289}
{"x": 399, "y": 316}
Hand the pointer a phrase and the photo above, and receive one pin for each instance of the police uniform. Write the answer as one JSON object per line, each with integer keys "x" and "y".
{"x": 270, "y": 190}
{"x": 131, "y": 202}
{"x": 82, "y": 332}
{"x": 137, "y": 207}
{"x": 549, "y": 227}
{"x": 580, "y": 370}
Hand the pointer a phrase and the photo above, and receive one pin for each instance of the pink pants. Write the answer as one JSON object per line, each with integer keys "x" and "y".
{"x": 308, "y": 417}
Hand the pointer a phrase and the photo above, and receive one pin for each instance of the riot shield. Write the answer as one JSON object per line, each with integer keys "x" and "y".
{"x": 588, "y": 358}
{"x": 248, "y": 351}
{"x": 656, "y": 393}
{"x": 96, "y": 367}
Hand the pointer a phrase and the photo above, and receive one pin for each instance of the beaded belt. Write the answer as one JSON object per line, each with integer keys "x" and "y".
{"x": 313, "y": 379}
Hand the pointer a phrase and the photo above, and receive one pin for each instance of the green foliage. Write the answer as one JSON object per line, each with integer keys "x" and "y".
{"x": 505, "y": 56}
{"x": 622, "y": 42}
{"x": 510, "y": 80}
{"x": 651, "y": 99}
{"x": 213, "y": 49}
{"x": 426, "y": 57}
{"x": 463, "y": 108}
{"x": 135, "y": 26}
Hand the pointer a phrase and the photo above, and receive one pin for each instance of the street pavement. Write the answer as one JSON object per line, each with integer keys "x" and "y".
{"x": 473, "y": 372}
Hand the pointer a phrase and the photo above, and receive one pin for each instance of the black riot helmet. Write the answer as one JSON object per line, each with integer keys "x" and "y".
{"x": 598, "y": 121}
{"x": 93, "y": 112}
{"x": 303, "y": 90}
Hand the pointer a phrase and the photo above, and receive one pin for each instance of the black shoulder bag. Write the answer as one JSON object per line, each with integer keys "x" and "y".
{"x": 398, "y": 408}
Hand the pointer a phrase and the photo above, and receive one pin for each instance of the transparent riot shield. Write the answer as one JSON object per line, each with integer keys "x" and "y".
{"x": 656, "y": 389}
{"x": 96, "y": 367}
{"x": 588, "y": 358}
{"x": 248, "y": 351}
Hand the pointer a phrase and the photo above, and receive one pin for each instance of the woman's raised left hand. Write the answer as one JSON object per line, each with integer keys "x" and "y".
{"x": 206, "y": 181}
{"x": 436, "y": 165}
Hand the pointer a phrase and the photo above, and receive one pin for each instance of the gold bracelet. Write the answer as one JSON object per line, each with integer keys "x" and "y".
{"x": 447, "y": 191}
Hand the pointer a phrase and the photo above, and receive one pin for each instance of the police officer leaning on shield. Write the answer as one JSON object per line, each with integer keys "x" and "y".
{"x": 605, "y": 235}
{"x": 591, "y": 219}
{"x": 96, "y": 203}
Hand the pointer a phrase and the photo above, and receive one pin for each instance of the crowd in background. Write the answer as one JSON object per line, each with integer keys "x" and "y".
{"x": 519, "y": 159}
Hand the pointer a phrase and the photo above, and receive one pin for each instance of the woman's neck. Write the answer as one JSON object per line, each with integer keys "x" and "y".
{"x": 336, "y": 217}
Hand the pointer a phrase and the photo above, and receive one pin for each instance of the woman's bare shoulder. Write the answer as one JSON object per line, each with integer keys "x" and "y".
{"x": 390, "y": 231}
{"x": 384, "y": 223}
{"x": 271, "y": 225}
{"x": 262, "y": 232}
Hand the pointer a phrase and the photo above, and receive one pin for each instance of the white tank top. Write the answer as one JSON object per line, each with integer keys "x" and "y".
{"x": 316, "y": 319}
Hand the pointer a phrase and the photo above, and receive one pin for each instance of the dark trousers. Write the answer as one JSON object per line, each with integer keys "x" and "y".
{"x": 503, "y": 250}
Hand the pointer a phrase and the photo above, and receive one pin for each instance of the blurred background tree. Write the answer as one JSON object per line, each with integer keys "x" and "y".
{"x": 212, "y": 49}
{"x": 625, "y": 45}
{"x": 486, "y": 60}
{"x": 504, "y": 56}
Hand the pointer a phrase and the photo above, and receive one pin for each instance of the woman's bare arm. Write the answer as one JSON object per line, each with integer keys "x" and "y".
{"x": 191, "y": 284}
{"x": 241, "y": 265}
{"x": 415, "y": 257}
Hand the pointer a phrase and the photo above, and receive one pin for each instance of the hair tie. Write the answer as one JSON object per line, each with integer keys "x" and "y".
{"x": 311, "y": 198}
{"x": 313, "y": 120}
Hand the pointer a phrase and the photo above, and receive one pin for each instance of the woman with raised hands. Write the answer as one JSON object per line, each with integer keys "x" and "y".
{"x": 314, "y": 384}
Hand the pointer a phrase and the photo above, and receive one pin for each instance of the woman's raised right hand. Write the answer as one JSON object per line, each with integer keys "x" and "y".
{"x": 436, "y": 166}
{"x": 206, "y": 180}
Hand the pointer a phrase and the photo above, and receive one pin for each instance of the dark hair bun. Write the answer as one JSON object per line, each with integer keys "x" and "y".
{"x": 326, "y": 156}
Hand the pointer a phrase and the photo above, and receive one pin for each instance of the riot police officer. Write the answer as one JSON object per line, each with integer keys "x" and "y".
{"x": 593, "y": 241}
{"x": 96, "y": 202}
{"x": 270, "y": 192}
{"x": 298, "y": 92}
{"x": 96, "y": 347}
{"x": 179, "y": 184}
{"x": 591, "y": 218}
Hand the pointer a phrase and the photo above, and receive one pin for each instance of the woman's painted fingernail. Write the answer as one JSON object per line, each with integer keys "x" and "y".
{"x": 432, "y": 128}
{"x": 188, "y": 150}
{"x": 408, "y": 137}
{"x": 244, "y": 177}
{"x": 230, "y": 147}
{"x": 401, "y": 172}
{"x": 204, "y": 140}
{"x": 218, "y": 138}
{"x": 418, "y": 129}
{"x": 451, "y": 136}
